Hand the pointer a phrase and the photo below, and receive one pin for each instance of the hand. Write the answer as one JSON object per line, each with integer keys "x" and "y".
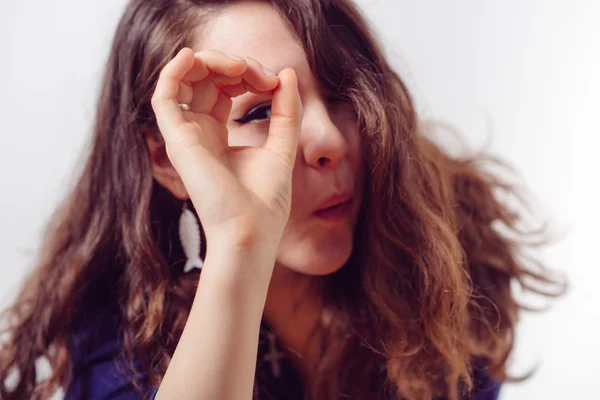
{"x": 242, "y": 194}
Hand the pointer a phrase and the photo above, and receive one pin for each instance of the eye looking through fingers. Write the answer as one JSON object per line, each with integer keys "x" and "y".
{"x": 257, "y": 113}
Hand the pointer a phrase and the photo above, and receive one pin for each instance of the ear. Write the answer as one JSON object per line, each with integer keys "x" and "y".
{"x": 162, "y": 169}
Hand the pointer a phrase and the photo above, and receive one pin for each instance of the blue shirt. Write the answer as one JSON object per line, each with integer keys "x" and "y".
{"x": 100, "y": 372}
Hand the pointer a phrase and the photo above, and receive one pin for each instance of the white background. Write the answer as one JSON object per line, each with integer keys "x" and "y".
{"x": 523, "y": 74}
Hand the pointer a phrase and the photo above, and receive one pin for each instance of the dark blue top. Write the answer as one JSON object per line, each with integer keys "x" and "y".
{"x": 100, "y": 371}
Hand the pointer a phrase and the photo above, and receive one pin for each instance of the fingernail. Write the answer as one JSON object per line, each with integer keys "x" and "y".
{"x": 268, "y": 72}
{"x": 234, "y": 57}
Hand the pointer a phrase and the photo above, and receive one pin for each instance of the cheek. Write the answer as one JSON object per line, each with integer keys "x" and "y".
{"x": 254, "y": 134}
{"x": 300, "y": 196}
{"x": 356, "y": 156}
{"x": 355, "y": 147}
{"x": 345, "y": 120}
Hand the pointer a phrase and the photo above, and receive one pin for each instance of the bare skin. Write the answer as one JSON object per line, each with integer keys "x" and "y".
{"x": 269, "y": 176}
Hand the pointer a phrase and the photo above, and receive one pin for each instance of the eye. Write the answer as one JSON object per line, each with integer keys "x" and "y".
{"x": 259, "y": 113}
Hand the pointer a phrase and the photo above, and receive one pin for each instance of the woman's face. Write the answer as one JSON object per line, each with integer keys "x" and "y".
{"x": 328, "y": 165}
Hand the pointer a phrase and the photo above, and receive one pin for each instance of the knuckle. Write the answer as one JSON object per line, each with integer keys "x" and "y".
{"x": 285, "y": 119}
{"x": 162, "y": 74}
{"x": 288, "y": 122}
{"x": 155, "y": 102}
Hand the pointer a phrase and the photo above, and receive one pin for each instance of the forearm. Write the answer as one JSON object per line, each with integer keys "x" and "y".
{"x": 216, "y": 355}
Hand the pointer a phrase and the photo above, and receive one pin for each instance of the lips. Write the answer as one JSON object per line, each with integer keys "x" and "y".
{"x": 335, "y": 213}
{"x": 334, "y": 200}
{"x": 335, "y": 207}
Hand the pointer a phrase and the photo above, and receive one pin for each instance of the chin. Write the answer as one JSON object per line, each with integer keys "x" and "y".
{"x": 316, "y": 256}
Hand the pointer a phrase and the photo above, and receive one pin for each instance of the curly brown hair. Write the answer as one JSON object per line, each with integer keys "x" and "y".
{"x": 425, "y": 297}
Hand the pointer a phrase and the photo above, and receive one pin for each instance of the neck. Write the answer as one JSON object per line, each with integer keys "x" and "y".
{"x": 293, "y": 310}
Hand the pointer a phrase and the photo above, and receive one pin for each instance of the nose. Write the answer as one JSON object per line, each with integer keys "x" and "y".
{"x": 323, "y": 144}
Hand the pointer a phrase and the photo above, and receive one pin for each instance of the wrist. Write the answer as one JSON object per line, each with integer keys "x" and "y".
{"x": 238, "y": 266}
{"x": 243, "y": 239}
{"x": 244, "y": 231}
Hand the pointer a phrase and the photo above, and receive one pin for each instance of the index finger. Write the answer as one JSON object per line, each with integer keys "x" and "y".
{"x": 164, "y": 100}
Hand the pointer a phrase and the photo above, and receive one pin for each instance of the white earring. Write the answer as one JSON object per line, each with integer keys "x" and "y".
{"x": 189, "y": 234}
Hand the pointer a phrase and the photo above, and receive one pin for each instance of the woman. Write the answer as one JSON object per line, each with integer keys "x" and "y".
{"x": 362, "y": 260}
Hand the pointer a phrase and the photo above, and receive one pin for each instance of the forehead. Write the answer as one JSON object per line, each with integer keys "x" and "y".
{"x": 253, "y": 29}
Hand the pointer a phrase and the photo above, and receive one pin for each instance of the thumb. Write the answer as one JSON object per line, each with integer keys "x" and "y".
{"x": 286, "y": 118}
